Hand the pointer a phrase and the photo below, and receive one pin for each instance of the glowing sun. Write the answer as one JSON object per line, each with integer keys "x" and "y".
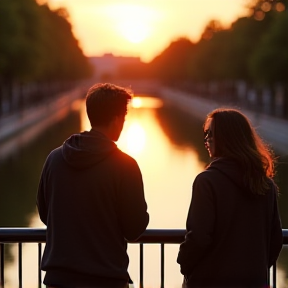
{"x": 134, "y": 32}
{"x": 133, "y": 22}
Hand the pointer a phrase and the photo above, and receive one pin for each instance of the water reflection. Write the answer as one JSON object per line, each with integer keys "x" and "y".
{"x": 168, "y": 146}
{"x": 168, "y": 171}
{"x": 20, "y": 174}
{"x": 159, "y": 159}
{"x": 146, "y": 102}
{"x": 136, "y": 138}
{"x": 167, "y": 174}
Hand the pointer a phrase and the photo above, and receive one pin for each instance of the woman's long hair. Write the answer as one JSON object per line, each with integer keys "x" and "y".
{"x": 236, "y": 138}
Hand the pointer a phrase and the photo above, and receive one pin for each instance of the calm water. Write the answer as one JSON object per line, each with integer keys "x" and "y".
{"x": 167, "y": 145}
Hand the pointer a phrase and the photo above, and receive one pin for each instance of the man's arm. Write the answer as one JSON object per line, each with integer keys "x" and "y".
{"x": 132, "y": 208}
{"x": 41, "y": 197}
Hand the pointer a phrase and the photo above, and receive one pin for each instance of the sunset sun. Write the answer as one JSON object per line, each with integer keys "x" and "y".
{"x": 133, "y": 22}
{"x": 134, "y": 31}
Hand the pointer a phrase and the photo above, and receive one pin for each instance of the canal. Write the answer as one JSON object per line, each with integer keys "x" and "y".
{"x": 168, "y": 146}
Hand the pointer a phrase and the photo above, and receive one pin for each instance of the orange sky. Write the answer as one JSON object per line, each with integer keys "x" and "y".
{"x": 143, "y": 28}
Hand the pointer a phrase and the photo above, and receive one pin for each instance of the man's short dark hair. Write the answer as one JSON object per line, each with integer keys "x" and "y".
{"x": 105, "y": 101}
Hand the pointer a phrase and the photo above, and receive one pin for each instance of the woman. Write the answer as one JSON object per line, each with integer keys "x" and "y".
{"x": 233, "y": 227}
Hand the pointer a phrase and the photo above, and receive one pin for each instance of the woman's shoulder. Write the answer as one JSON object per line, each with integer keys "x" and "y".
{"x": 207, "y": 175}
{"x": 273, "y": 188}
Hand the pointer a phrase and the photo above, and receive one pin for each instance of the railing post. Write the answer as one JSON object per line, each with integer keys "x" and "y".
{"x": 39, "y": 264}
{"x": 162, "y": 265}
{"x": 141, "y": 265}
{"x": 20, "y": 264}
{"x": 2, "y": 265}
{"x": 274, "y": 275}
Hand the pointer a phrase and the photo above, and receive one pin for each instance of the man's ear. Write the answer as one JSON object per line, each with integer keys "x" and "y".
{"x": 115, "y": 121}
{"x": 117, "y": 126}
{"x": 119, "y": 118}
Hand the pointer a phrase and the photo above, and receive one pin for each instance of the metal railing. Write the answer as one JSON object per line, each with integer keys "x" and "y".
{"x": 150, "y": 236}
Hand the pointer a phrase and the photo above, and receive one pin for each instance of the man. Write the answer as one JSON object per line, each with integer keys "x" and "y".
{"x": 91, "y": 198}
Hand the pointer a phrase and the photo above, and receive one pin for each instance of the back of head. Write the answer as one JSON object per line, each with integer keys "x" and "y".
{"x": 105, "y": 101}
{"x": 234, "y": 133}
{"x": 236, "y": 138}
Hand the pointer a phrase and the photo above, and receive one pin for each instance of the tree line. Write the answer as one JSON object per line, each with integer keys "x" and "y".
{"x": 254, "y": 51}
{"x": 254, "y": 48}
{"x": 37, "y": 50}
{"x": 37, "y": 44}
{"x": 40, "y": 55}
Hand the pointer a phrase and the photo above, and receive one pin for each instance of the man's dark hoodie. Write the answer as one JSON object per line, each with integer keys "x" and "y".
{"x": 91, "y": 198}
{"x": 233, "y": 236}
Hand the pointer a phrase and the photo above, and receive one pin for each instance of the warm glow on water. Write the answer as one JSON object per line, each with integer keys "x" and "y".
{"x": 135, "y": 139}
{"x": 168, "y": 172}
{"x": 146, "y": 102}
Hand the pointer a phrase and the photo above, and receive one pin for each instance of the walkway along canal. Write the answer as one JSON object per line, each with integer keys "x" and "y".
{"x": 273, "y": 130}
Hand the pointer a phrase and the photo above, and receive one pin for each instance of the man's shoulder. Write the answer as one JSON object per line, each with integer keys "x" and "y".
{"x": 54, "y": 154}
{"x": 122, "y": 156}
{"x": 55, "y": 151}
{"x": 125, "y": 161}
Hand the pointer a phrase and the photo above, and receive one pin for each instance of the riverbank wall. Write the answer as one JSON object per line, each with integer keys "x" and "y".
{"x": 29, "y": 123}
{"x": 274, "y": 131}
{"x": 18, "y": 129}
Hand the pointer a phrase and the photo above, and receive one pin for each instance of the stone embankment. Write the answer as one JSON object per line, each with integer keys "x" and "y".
{"x": 273, "y": 130}
{"x": 18, "y": 129}
{"x": 34, "y": 120}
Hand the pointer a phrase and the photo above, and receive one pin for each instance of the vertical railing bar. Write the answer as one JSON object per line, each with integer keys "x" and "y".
{"x": 162, "y": 265}
{"x": 141, "y": 264}
{"x": 274, "y": 275}
{"x": 2, "y": 265}
{"x": 20, "y": 264}
{"x": 39, "y": 264}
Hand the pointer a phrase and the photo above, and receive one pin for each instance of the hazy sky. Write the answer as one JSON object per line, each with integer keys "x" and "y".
{"x": 143, "y": 28}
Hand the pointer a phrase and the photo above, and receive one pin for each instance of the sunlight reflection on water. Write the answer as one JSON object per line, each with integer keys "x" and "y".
{"x": 168, "y": 173}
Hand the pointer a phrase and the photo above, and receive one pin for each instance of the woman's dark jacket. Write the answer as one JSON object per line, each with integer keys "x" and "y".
{"x": 233, "y": 236}
{"x": 91, "y": 198}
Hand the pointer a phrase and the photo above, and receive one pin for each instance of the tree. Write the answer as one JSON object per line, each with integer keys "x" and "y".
{"x": 62, "y": 58}
{"x": 19, "y": 34}
{"x": 269, "y": 62}
{"x": 37, "y": 43}
{"x": 172, "y": 63}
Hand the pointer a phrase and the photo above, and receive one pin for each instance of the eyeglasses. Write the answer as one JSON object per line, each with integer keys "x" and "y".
{"x": 207, "y": 136}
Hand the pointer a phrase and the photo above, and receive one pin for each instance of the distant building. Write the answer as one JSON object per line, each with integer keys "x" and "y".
{"x": 106, "y": 67}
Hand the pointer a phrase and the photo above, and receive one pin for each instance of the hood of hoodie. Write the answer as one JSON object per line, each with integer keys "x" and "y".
{"x": 86, "y": 149}
{"x": 231, "y": 169}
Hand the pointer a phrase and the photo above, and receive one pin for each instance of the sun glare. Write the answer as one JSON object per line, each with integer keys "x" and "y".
{"x": 134, "y": 32}
{"x": 133, "y": 22}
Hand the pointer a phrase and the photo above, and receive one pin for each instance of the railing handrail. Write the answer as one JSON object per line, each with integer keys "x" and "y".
{"x": 38, "y": 235}
{"x": 155, "y": 236}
